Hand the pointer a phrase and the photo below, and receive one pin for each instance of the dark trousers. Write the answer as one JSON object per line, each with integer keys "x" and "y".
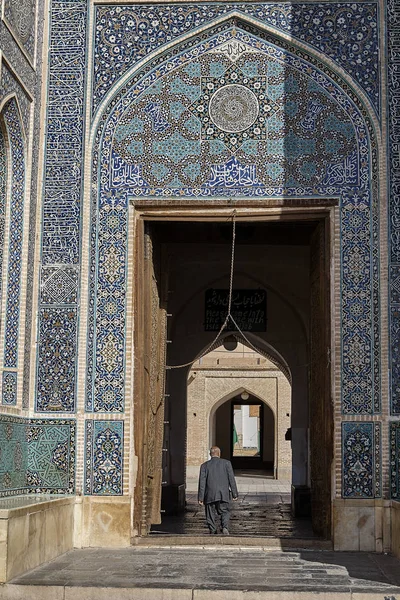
{"x": 223, "y": 511}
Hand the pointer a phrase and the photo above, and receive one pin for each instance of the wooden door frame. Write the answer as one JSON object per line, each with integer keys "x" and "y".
{"x": 272, "y": 210}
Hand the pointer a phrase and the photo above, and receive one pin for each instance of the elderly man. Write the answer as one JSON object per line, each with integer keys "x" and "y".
{"x": 217, "y": 486}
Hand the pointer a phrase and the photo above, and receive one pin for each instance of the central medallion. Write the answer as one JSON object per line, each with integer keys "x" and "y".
{"x": 233, "y": 108}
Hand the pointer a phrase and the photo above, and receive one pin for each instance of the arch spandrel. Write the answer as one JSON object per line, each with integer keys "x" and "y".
{"x": 235, "y": 120}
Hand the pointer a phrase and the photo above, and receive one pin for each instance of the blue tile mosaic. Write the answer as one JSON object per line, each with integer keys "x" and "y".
{"x": 345, "y": 32}
{"x": 9, "y": 388}
{"x": 56, "y": 360}
{"x": 59, "y": 285}
{"x": 13, "y": 455}
{"x": 104, "y": 457}
{"x": 62, "y": 207}
{"x": 20, "y": 18}
{"x": 345, "y": 169}
{"x": 64, "y": 140}
{"x": 361, "y": 447}
{"x": 4, "y": 160}
{"x": 51, "y": 456}
{"x": 17, "y": 161}
{"x": 8, "y": 85}
{"x": 394, "y": 448}
{"x": 37, "y": 456}
{"x": 393, "y": 54}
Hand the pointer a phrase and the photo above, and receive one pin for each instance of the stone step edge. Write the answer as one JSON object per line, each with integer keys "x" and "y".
{"x": 39, "y": 592}
{"x": 165, "y": 540}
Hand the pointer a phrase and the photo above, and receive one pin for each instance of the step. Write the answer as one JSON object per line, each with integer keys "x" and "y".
{"x": 23, "y": 592}
{"x": 169, "y": 540}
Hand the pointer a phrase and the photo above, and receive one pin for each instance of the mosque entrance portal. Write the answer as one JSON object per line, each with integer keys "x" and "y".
{"x": 180, "y": 263}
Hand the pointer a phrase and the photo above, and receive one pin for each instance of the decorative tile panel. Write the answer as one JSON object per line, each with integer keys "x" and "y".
{"x": 104, "y": 457}
{"x": 20, "y": 17}
{"x": 56, "y": 360}
{"x": 159, "y": 109}
{"x": 64, "y": 140}
{"x": 37, "y": 456}
{"x": 361, "y": 447}
{"x": 345, "y": 32}
{"x": 62, "y": 208}
{"x": 4, "y": 160}
{"x": 59, "y": 285}
{"x": 51, "y": 456}
{"x": 9, "y": 84}
{"x": 13, "y": 455}
{"x": 393, "y": 57}
{"x": 395, "y": 460}
{"x": 9, "y": 388}
{"x": 17, "y": 159}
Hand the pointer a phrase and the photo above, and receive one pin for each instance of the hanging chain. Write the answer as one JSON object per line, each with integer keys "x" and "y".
{"x": 228, "y": 316}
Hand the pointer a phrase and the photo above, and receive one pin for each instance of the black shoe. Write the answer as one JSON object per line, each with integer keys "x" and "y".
{"x": 213, "y": 532}
{"x": 225, "y": 531}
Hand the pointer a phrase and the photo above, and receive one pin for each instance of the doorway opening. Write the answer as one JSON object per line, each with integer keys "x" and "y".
{"x": 181, "y": 264}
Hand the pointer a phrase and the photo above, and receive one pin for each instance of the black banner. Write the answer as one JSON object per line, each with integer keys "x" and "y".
{"x": 248, "y": 308}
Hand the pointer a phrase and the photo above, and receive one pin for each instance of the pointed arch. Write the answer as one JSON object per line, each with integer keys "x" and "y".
{"x": 12, "y": 215}
{"x": 358, "y": 195}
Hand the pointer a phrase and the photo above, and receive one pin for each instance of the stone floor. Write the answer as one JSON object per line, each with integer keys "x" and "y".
{"x": 256, "y": 562}
{"x": 250, "y": 482}
{"x": 262, "y": 510}
{"x": 224, "y": 573}
{"x": 256, "y": 514}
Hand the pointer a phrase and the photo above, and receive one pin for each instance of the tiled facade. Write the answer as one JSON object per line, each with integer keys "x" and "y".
{"x": 39, "y": 456}
{"x": 143, "y": 120}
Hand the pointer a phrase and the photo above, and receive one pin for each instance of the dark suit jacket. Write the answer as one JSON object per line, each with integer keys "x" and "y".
{"x": 215, "y": 481}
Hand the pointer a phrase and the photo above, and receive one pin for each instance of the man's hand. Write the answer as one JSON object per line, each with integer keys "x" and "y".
{"x": 201, "y": 502}
{"x": 234, "y": 499}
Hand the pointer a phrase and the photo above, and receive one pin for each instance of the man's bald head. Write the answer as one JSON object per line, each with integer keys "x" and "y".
{"x": 215, "y": 451}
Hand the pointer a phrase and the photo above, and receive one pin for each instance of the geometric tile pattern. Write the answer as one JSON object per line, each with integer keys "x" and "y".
{"x": 395, "y": 460}
{"x": 306, "y": 91}
{"x": 327, "y": 27}
{"x": 393, "y": 87}
{"x": 291, "y": 143}
{"x": 13, "y": 455}
{"x": 62, "y": 186}
{"x": 51, "y": 456}
{"x": 59, "y": 285}
{"x": 8, "y": 85}
{"x": 9, "y": 388}
{"x": 62, "y": 208}
{"x": 17, "y": 160}
{"x": 37, "y": 456}
{"x": 361, "y": 447}
{"x": 55, "y": 368}
{"x": 20, "y": 18}
{"x": 105, "y": 392}
{"x": 104, "y": 457}
{"x": 3, "y": 200}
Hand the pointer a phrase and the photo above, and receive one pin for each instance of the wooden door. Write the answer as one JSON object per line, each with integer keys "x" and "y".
{"x": 150, "y": 354}
{"x": 321, "y": 412}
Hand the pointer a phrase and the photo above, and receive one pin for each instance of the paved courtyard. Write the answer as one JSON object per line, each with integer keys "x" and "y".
{"x": 184, "y": 572}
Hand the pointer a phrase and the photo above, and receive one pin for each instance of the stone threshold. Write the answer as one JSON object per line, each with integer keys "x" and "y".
{"x": 274, "y": 543}
{"x": 53, "y": 592}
